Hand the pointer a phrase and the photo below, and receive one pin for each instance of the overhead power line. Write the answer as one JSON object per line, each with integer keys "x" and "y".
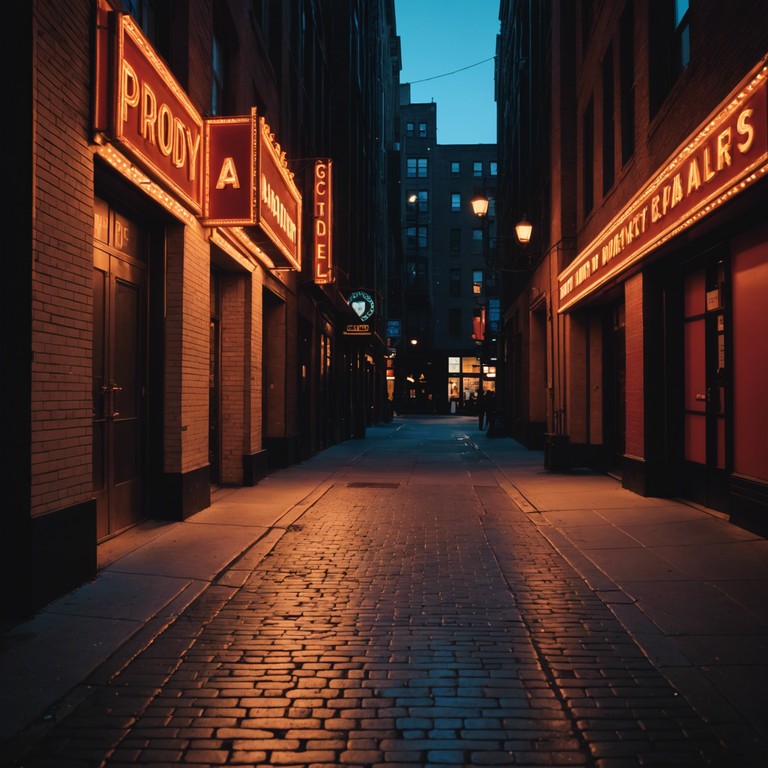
{"x": 446, "y": 74}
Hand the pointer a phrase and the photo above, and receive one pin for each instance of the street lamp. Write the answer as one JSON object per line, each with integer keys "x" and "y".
{"x": 524, "y": 230}
{"x": 480, "y": 206}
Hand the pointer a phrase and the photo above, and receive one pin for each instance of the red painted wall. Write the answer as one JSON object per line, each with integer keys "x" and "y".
{"x": 750, "y": 353}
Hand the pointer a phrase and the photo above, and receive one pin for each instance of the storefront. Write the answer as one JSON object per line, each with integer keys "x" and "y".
{"x": 670, "y": 291}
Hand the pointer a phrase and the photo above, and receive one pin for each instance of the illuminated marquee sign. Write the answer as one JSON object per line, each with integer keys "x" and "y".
{"x": 279, "y": 200}
{"x": 323, "y": 220}
{"x": 229, "y": 172}
{"x": 725, "y": 155}
{"x": 149, "y": 116}
{"x": 247, "y": 184}
{"x": 362, "y": 305}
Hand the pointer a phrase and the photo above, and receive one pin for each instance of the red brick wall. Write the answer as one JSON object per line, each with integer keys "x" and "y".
{"x": 61, "y": 262}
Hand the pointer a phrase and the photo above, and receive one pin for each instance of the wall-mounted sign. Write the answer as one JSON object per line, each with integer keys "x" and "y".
{"x": 247, "y": 184}
{"x": 279, "y": 202}
{"x": 362, "y": 305}
{"x": 149, "y": 116}
{"x": 357, "y": 329}
{"x": 323, "y": 221}
{"x": 229, "y": 171}
{"x": 725, "y": 155}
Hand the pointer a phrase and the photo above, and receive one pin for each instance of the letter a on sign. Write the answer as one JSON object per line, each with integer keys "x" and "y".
{"x": 228, "y": 175}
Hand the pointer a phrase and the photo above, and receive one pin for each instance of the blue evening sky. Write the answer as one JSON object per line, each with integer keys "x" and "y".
{"x": 441, "y": 36}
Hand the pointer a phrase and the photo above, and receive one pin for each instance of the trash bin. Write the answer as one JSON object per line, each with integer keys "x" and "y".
{"x": 556, "y": 452}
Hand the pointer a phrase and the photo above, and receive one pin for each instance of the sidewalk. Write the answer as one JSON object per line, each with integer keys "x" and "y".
{"x": 689, "y": 586}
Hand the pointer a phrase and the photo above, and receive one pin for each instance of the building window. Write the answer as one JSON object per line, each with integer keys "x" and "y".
{"x": 455, "y": 284}
{"x": 218, "y": 73}
{"x": 627, "y": 81}
{"x": 411, "y": 234}
{"x": 670, "y": 38}
{"x": 455, "y": 168}
{"x": 455, "y": 242}
{"x": 423, "y": 130}
{"x": 477, "y": 169}
{"x": 410, "y": 129}
{"x": 418, "y": 200}
{"x": 455, "y": 202}
{"x": 587, "y": 14}
{"x": 494, "y": 168}
{"x": 416, "y": 168}
{"x": 153, "y": 16}
{"x": 477, "y": 282}
{"x": 608, "y": 121}
{"x": 454, "y": 322}
{"x": 588, "y": 158}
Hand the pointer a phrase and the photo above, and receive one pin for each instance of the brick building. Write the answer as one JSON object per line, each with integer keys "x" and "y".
{"x": 636, "y": 140}
{"x": 180, "y": 309}
{"x": 445, "y": 298}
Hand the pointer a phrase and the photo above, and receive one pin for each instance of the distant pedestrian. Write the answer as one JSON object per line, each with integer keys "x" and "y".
{"x": 482, "y": 403}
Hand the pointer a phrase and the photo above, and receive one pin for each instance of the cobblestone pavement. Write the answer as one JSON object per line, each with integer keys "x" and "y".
{"x": 420, "y": 620}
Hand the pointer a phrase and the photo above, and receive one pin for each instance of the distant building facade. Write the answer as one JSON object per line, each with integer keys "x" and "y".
{"x": 193, "y": 215}
{"x": 447, "y": 306}
{"x": 635, "y": 137}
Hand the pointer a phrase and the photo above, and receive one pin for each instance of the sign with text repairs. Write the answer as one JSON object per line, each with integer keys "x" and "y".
{"x": 724, "y": 156}
{"x": 151, "y": 117}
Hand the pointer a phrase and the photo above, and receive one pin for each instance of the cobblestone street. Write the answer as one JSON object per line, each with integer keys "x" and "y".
{"x": 412, "y": 616}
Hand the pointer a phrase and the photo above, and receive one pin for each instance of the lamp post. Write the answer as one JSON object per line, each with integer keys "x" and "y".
{"x": 480, "y": 206}
{"x": 523, "y": 234}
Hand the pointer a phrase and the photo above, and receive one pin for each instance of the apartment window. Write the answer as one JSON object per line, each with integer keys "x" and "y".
{"x": 477, "y": 282}
{"x": 418, "y": 200}
{"x": 416, "y": 237}
{"x": 588, "y": 158}
{"x": 670, "y": 38}
{"x": 608, "y": 121}
{"x": 218, "y": 79}
{"x": 477, "y": 170}
{"x": 416, "y": 168}
{"x": 423, "y": 130}
{"x": 494, "y": 168}
{"x": 455, "y": 242}
{"x": 455, "y": 168}
{"x": 410, "y": 129}
{"x": 454, "y": 285}
{"x": 153, "y": 16}
{"x": 455, "y": 202}
{"x": 454, "y": 322}
{"x": 587, "y": 15}
{"x": 627, "y": 80}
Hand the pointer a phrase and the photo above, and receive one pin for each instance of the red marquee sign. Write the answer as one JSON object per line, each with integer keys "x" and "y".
{"x": 725, "y": 155}
{"x": 230, "y": 173}
{"x": 247, "y": 184}
{"x": 145, "y": 111}
{"x": 323, "y": 222}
